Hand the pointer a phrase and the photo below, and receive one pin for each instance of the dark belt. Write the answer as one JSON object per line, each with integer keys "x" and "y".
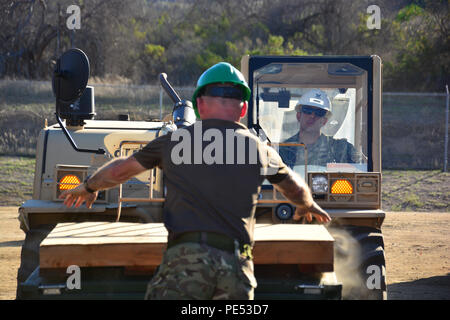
{"x": 212, "y": 239}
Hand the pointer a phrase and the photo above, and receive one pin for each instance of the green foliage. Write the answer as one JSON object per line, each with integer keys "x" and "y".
{"x": 206, "y": 59}
{"x": 276, "y": 45}
{"x": 155, "y": 51}
{"x": 408, "y": 12}
{"x": 422, "y": 60}
{"x": 137, "y": 33}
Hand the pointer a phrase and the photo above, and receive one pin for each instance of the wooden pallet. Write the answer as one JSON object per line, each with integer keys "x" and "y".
{"x": 132, "y": 245}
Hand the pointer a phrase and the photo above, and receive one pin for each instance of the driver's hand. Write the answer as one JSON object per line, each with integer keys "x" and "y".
{"x": 303, "y": 212}
{"x": 78, "y": 195}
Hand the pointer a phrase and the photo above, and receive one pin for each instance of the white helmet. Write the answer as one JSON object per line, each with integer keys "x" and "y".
{"x": 314, "y": 98}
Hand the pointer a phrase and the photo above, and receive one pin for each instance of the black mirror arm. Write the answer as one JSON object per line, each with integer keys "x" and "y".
{"x": 168, "y": 88}
{"x": 72, "y": 142}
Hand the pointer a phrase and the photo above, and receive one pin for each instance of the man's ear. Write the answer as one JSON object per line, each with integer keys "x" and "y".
{"x": 244, "y": 109}
{"x": 200, "y": 106}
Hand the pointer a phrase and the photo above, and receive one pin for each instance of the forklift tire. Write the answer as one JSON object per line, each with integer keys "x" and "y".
{"x": 29, "y": 257}
{"x": 360, "y": 262}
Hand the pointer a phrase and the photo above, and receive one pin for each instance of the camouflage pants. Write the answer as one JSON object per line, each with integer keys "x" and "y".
{"x": 196, "y": 271}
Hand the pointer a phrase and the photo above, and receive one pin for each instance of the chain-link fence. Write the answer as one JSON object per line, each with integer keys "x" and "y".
{"x": 413, "y": 136}
{"x": 414, "y": 130}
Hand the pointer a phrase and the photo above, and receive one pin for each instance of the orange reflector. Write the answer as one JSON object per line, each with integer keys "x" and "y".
{"x": 68, "y": 182}
{"x": 342, "y": 186}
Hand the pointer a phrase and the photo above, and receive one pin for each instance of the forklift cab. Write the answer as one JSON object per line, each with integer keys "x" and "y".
{"x": 353, "y": 85}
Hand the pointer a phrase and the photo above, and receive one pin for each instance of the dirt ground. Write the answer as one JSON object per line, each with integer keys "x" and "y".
{"x": 417, "y": 254}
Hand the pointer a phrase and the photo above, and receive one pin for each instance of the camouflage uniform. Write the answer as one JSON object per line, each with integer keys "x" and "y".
{"x": 197, "y": 271}
{"x": 325, "y": 150}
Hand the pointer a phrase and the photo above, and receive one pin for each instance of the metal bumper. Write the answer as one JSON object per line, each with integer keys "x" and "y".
{"x": 99, "y": 212}
{"x": 114, "y": 283}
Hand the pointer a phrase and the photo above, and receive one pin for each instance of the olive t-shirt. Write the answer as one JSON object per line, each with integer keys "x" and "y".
{"x": 213, "y": 171}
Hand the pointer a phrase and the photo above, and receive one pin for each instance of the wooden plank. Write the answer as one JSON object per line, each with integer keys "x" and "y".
{"x": 91, "y": 244}
{"x": 99, "y": 233}
{"x": 293, "y": 244}
{"x": 106, "y": 255}
{"x": 293, "y": 252}
{"x": 291, "y": 232}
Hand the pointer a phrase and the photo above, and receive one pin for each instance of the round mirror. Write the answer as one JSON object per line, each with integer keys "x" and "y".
{"x": 70, "y": 76}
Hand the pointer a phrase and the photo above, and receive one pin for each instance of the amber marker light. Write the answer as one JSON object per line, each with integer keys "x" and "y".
{"x": 342, "y": 186}
{"x": 68, "y": 182}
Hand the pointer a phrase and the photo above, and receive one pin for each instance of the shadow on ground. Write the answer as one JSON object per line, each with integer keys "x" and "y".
{"x": 434, "y": 288}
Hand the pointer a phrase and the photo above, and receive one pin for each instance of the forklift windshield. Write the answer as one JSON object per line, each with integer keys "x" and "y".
{"x": 314, "y": 114}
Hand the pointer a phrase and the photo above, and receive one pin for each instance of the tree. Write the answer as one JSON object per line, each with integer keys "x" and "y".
{"x": 34, "y": 32}
{"x": 422, "y": 59}
{"x": 139, "y": 39}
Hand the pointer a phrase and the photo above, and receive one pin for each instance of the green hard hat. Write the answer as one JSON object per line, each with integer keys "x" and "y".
{"x": 221, "y": 72}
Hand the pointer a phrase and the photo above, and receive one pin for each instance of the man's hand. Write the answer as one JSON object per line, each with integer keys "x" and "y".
{"x": 302, "y": 213}
{"x": 110, "y": 175}
{"x": 79, "y": 195}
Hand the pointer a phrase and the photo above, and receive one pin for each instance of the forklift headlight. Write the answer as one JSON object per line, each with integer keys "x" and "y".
{"x": 342, "y": 186}
{"x": 68, "y": 182}
{"x": 319, "y": 184}
{"x": 68, "y": 177}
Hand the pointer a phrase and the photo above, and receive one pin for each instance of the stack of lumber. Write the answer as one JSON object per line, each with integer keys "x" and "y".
{"x": 107, "y": 244}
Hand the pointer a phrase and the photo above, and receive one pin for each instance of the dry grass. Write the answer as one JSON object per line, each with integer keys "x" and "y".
{"x": 24, "y": 106}
{"x": 414, "y": 190}
{"x": 16, "y": 180}
{"x": 413, "y": 126}
{"x": 401, "y": 190}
